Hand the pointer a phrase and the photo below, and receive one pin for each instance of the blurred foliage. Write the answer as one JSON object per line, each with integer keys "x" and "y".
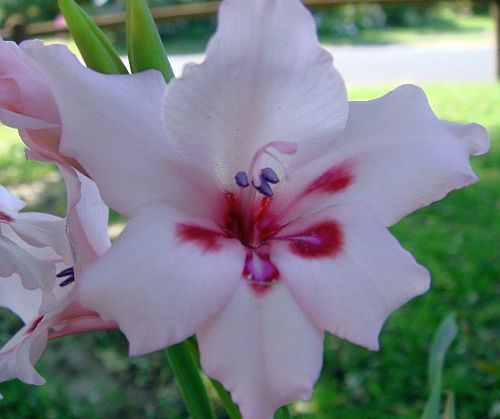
{"x": 345, "y": 20}
{"x": 349, "y": 20}
{"x": 31, "y": 10}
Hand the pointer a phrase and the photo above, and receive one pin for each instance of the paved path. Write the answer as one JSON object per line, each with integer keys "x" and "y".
{"x": 403, "y": 63}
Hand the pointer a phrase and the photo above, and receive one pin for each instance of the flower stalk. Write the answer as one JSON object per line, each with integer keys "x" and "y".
{"x": 283, "y": 413}
{"x": 185, "y": 368}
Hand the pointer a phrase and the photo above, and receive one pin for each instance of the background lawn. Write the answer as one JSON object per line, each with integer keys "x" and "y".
{"x": 457, "y": 239}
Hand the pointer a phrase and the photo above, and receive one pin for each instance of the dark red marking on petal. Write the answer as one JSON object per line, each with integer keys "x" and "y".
{"x": 266, "y": 223}
{"x": 320, "y": 240}
{"x": 5, "y": 217}
{"x": 34, "y": 325}
{"x": 232, "y": 220}
{"x": 259, "y": 270}
{"x": 261, "y": 228}
{"x": 207, "y": 239}
{"x": 333, "y": 180}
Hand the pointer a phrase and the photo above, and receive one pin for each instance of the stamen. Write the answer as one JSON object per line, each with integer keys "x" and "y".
{"x": 67, "y": 281}
{"x": 264, "y": 188}
{"x": 282, "y": 147}
{"x": 66, "y": 272}
{"x": 241, "y": 179}
{"x": 269, "y": 175}
{"x": 70, "y": 273}
{"x": 261, "y": 179}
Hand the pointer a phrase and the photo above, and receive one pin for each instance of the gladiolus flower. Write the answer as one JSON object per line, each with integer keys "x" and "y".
{"x": 50, "y": 308}
{"x": 24, "y": 240}
{"x": 27, "y": 104}
{"x": 259, "y": 199}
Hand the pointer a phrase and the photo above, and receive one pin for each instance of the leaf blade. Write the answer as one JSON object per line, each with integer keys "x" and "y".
{"x": 443, "y": 338}
{"x": 96, "y": 49}
{"x": 144, "y": 46}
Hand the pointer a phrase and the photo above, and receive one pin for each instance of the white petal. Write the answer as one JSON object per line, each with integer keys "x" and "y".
{"x": 42, "y": 230}
{"x": 15, "y": 120}
{"x": 24, "y": 303}
{"x": 113, "y": 125}
{"x": 9, "y": 204}
{"x": 162, "y": 289}
{"x": 87, "y": 219}
{"x": 400, "y": 157}
{"x": 351, "y": 291}
{"x": 265, "y": 78}
{"x": 29, "y": 95}
{"x": 263, "y": 349}
{"x": 34, "y": 273}
{"x": 22, "y": 351}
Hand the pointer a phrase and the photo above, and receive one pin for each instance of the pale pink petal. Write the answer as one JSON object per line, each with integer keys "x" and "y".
{"x": 265, "y": 78}
{"x": 158, "y": 287}
{"x": 9, "y": 203}
{"x": 16, "y": 120}
{"x": 114, "y": 126}
{"x": 22, "y": 351}
{"x": 87, "y": 219}
{"x": 26, "y": 102}
{"x": 82, "y": 324}
{"x": 34, "y": 273}
{"x": 395, "y": 155}
{"x": 351, "y": 289}
{"x": 29, "y": 92}
{"x": 263, "y": 349}
{"x": 43, "y": 230}
{"x": 43, "y": 253}
{"x": 24, "y": 303}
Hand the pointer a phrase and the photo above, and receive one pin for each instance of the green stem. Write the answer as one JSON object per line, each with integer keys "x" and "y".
{"x": 186, "y": 371}
{"x": 283, "y": 413}
{"x": 231, "y": 408}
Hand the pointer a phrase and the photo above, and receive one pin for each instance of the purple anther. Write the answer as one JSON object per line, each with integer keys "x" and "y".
{"x": 264, "y": 188}
{"x": 269, "y": 175}
{"x": 241, "y": 179}
{"x": 69, "y": 273}
{"x": 67, "y": 281}
{"x": 66, "y": 272}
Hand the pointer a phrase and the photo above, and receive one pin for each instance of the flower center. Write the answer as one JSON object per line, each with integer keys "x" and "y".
{"x": 248, "y": 216}
{"x": 259, "y": 270}
{"x": 257, "y": 183}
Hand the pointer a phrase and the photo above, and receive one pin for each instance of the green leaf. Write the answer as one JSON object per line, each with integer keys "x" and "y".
{"x": 445, "y": 334}
{"x": 144, "y": 46}
{"x": 231, "y": 408}
{"x": 283, "y": 413}
{"x": 95, "y": 47}
{"x": 185, "y": 368}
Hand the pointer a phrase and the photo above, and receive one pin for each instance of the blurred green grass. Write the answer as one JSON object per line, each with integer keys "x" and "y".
{"x": 457, "y": 239}
{"x": 467, "y": 28}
